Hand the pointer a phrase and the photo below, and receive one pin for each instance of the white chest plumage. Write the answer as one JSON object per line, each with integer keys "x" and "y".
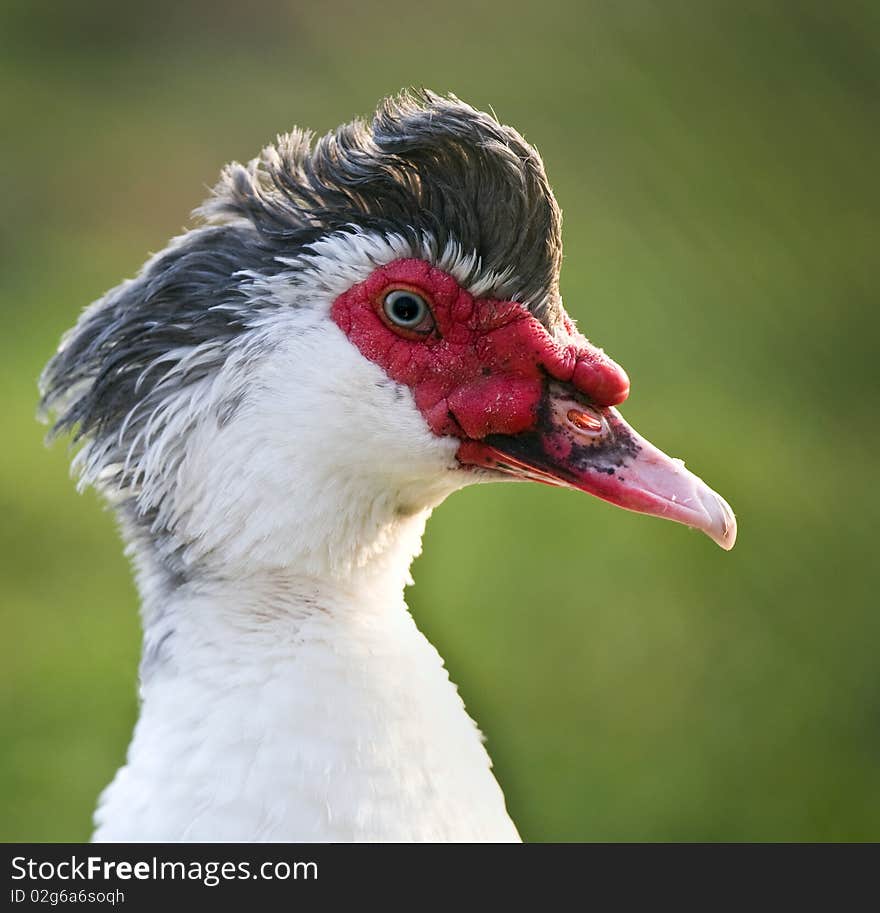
{"x": 305, "y": 720}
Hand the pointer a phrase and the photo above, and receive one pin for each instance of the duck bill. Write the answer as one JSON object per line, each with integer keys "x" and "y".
{"x": 579, "y": 446}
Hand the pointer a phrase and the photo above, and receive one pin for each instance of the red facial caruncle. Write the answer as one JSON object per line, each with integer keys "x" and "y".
{"x": 521, "y": 400}
{"x": 482, "y": 369}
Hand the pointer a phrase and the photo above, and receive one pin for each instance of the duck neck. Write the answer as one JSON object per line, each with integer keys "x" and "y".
{"x": 278, "y": 704}
{"x": 211, "y": 607}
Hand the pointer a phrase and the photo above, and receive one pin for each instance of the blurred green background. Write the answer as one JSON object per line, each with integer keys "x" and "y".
{"x": 717, "y": 164}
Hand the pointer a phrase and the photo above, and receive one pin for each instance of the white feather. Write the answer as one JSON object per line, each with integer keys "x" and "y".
{"x": 286, "y": 692}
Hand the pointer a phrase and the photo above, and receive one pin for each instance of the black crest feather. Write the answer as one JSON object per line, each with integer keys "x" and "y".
{"x": 425, "y": 163}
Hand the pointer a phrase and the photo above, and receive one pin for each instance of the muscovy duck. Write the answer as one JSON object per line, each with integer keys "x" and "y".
{"x": 360, "y": 325}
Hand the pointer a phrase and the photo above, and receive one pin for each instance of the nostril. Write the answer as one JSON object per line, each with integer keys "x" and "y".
{"x": 579, "y": 419}
{"x": 585, "y": 421}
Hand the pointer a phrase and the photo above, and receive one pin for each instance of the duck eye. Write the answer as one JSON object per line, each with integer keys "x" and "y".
{"x": 408, "y": 310}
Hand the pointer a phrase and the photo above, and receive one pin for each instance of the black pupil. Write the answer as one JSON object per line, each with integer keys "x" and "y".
{"x": 406, "y": 308}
